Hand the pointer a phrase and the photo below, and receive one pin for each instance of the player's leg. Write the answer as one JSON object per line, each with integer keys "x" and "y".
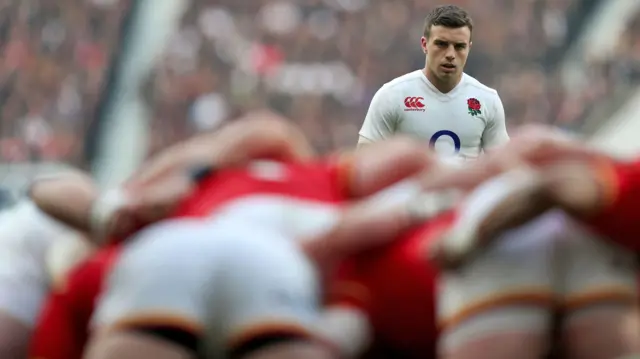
{"x": 154, "y": 301}
{"x": 600, "y": 298}
{"x": 14, "y": 335}
{"x": 268, "y": 299}
{"x": 499, "y": 304}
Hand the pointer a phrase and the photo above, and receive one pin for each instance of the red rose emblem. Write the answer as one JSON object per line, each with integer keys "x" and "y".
{"x": 474, "y": 107}
{"x": 473, "y": 104}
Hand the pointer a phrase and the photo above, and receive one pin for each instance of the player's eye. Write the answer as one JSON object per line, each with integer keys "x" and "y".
{"x": 460, "y": 47}
{"x": 441, "y": 44}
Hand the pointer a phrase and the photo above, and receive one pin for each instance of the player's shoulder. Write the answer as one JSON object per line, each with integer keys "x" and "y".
{"x": 480, "y": 89}
{"x": 407, "y": 80}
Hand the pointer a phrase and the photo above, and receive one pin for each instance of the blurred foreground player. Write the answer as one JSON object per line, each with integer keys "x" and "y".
{"x": 26, "y": 235}
{"x": 406, "y": 159}
{"x": 155, "y": 189}
{"x": 440, "y": 104}
{"x": 381, "y": 302}
{"x": 555, "y": 265}
{"x": 244, "y": 287}
{"x": 582, "y": 181}
{"x": 389, "y": 295}
{"x": 594, "y": 187}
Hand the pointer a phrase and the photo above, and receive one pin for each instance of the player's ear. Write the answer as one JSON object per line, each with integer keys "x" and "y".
{"x": 423, "y": 44}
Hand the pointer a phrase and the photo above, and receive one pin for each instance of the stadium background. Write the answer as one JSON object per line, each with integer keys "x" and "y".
{"x": 100, "y": 84}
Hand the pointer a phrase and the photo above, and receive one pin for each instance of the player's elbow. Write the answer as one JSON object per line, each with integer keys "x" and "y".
{"x": 276, "y": 137}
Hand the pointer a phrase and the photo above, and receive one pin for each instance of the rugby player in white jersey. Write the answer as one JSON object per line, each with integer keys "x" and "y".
{"x": 440, "y": 104}
{"x": 26, "y": 235}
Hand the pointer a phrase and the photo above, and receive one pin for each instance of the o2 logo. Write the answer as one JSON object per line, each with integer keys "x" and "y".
{"x": 457, "y": 144}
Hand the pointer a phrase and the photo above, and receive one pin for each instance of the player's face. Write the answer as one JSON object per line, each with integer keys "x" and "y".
{"x": 447, "y": 50}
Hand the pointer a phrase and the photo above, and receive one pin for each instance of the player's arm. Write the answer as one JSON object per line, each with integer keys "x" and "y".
{"x": 159, "y": 185}
{"x": 66, "y": 198}
{"x": 532, "y": 145}
{"x": 382, "y": 164}
{"x": 383, "y": 176}
{"x": 495, "y": 132}
{"x": 598, "y": 192}
{"x": 381, "y": 119}
{"x": 257, "y": 135}
{"x": 604, "y": 194}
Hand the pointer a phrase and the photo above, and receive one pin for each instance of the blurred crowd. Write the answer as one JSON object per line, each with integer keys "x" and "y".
{"x": 317, "y": 61}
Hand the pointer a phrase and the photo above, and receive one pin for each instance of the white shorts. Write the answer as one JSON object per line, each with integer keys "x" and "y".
{"x": 26, "y": 235}
{"x": 226, "y": 282}
{"x": 551, "y": 264}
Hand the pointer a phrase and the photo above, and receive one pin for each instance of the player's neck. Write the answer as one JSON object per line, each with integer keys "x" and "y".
{"x": 442, "y": 86}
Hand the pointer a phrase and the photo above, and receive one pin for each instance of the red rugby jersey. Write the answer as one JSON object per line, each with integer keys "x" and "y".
{"x": 619, "y": 218}
{"x": 62, "y": 329}
{"x": 326, "y": 180}
{"x": 395, "y": 287}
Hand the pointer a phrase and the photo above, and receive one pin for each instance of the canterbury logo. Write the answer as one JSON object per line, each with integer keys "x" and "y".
{"x": 414, "y": 104}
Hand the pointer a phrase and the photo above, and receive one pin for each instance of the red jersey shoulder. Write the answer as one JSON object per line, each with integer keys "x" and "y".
{"x": 619, "y": 218}
{"x": 316, "y": 181}
{"x": 84, "y": 282}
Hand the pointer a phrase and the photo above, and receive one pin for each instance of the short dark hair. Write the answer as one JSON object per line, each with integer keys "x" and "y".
{"x": 450, "y": 16}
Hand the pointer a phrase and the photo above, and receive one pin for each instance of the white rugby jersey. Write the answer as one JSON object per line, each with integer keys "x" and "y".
{"x": 463, "y": 122}
{"x": 26, "y": 234}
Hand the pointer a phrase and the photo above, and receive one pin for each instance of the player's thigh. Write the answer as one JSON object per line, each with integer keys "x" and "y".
{"x": 134, "y": 345}
{"x": 600, "y": 298}
{"x": 499, "y": 304}
{"x": 267, "y": 293}
{"x": 160, "y": 284}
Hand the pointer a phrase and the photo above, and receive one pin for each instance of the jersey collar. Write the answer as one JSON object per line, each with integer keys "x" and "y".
{"x": 443, "y": 96}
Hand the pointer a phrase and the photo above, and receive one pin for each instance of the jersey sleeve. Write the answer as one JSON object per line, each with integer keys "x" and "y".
{"x": 495, "y": 133}
{"x": 382, "y": 117}
{"x": 619, "y": 217}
